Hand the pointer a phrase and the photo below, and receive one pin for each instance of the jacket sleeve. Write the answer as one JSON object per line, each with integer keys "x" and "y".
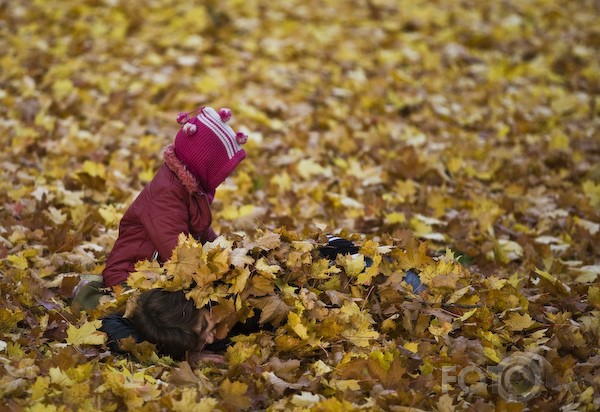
{"x": 117, "y": 327}
{"x": 208, "y": 235}
{"x": 201, "y": 218}
{"x": 164, "y": 218}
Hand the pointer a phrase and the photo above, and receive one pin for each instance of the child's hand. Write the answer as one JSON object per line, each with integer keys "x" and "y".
{"x": 195, "y": 357}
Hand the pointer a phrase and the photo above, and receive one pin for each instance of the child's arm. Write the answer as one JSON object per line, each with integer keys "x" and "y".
{"x": 208, "y": 235}
{"x": 116, "y": 328}
{"x": 200, "y": 224}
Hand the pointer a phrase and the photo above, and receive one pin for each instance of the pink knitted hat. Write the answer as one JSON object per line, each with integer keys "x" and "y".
{"x": 208, "y": 147}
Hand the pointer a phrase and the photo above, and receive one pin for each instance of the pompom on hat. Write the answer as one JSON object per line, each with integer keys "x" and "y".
{"x": 208, "y": 146}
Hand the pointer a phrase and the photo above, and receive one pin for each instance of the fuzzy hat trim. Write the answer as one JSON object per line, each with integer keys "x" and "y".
{"x": 180, "y": 170}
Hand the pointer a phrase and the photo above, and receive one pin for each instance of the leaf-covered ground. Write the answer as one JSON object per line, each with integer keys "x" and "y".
{"x": 458, "y": 137}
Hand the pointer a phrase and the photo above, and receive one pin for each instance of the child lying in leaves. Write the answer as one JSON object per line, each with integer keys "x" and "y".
{"x": 173, "y": 323}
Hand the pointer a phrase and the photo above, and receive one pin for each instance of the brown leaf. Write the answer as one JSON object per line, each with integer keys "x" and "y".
{"x": 234, "y": 394}
{"x": 273, "y": 309}
{"x": 143, "y": 351}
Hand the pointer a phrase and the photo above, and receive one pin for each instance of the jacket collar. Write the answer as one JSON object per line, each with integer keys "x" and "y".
{"x": 180, "y": 170}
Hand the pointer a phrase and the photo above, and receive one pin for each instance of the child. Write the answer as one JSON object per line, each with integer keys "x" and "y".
{"x": 177, "y": 200}
{"x": 177, "y": 327}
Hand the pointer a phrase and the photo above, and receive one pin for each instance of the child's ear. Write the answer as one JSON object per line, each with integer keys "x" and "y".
{"x": 132, "y": 305}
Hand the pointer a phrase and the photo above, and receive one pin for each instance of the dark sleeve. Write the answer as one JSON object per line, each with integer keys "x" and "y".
{"x": 337, "y": 246}
{"x": 208, "y": 236}
{"x": 413, "y": 279}
{"x": 201, "y": 218}
{"x": 117, "y": 327}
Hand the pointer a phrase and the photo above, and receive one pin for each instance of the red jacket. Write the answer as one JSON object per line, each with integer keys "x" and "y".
{"x": 172, "y": 203}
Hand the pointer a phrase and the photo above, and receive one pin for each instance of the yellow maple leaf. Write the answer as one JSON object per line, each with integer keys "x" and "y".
{"x": 202, "y": 295}
{"x": 189, "y": 402}
{"x": 308, "y": 168}
{"x": 55, "y": 215}
{"x": 297, "y": 326}
{"x": 420, "y": 227}
{"x": 459, "y": 294}
{"x": 468, "y": 314}
{"x": 333, "y": 404}
{"x": 87, "y": 334}
{"x": 517, "y": 322}
{"x": 364, "y": 278}
{"x": 552, "y": 279}
{"x": 62, "y": 88}
{"x": 388, "y": 325}
{"x": 283, "y": 181}
{"x": 233, "y": 212}
{"x": 39, "y": 388}
{"x": 559, "y": 140}
{"x": 240, "y": 352}
{"x": 587, "y": 274}
{"x": 94, "y": 169}
{"x": 218, "y": 260}
{"x": 302, "y": 246}
{"x": 305, "y": 399}
{"x": 594, "y": 296}
{"x": 266, "y": 270}
{"x": 59, "y": 377}
{"x": 110, "y": 214}
{"x": 362, "y": 336}
{"x": 438, "y": 329}
{"x": 505, "y": 251}
{"x": 444, "y": 273}
{"x": 320, "y": 368}
{"x": 345, "y": 384}
{"x": 267, "y": 241}
{"x": 352, "y": 264}
{"x": 494, "y": 282}
{"x": 186, "y": 260}
{"x": 358, "y": 328}
{"x": 146, "y": 275}
{"x": 238, "y": 283}
{"x": 412, "y": 346}
{"x": 18, "y": 261}
{"x": 590, "y": 226}
{"x": 491, "y": 354}
{"x": 415, "y": 256}
{"x": 394, "y": 218}
{"x": 234, "y": 393}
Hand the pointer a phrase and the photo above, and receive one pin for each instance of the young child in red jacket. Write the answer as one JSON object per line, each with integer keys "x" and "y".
{"x": 205, "y": 152}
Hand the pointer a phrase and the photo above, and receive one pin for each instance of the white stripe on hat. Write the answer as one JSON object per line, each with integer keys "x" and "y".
{"x": 205, "y": 120}
{"x": 216, "y": 118}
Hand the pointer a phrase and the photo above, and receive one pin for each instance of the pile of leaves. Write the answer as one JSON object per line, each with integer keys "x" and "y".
{"x": 459, "y": 138}
{"x": 359, "y": 331}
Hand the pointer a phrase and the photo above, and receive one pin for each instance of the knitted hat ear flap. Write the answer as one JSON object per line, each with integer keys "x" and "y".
{"x": 208, "y": 146}
{"x": 219, "y": 176}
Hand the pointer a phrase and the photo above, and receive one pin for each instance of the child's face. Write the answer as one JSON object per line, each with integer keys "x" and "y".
{"x": 205, "y": 327}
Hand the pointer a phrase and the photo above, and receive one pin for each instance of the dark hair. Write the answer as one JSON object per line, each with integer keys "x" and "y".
{"x": 167, "y": 319}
